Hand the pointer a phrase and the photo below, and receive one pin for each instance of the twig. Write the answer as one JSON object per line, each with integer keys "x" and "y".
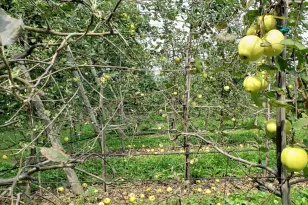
{"x": 6, "y": 63}
{"x": 90, "y": 174}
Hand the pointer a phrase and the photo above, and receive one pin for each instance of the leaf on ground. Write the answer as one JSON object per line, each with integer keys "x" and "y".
{"x": 54, "y": 155}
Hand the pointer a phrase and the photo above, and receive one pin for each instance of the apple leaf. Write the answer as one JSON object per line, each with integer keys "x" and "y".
{"x": 300, "y": 123}
{"x": 293, "y": 44}
{"x": 266, "y": 44}
{"x": 266, "y": 67}
{"x": 217, "y": 70}
{"x": 253, "y": 127}
{"x": 276, "y": 104}
{"x": 305, "y": 142}
{"x": 256, "y": 97}
{"x": 281, "y": 63}
{"x": 54, "y": 155}
{"x": 249, "y": 3}
{"x": 251, "y": 15}
{"x": 270, "y": 94}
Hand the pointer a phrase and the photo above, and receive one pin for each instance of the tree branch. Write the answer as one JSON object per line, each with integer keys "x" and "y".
{"x": 231, "y": 156}
{"x": 56, "y": 33}
{"x": 27, "y": 175}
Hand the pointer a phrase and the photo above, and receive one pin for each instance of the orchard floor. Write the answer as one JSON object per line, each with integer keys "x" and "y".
{"x": 223, "y": 191}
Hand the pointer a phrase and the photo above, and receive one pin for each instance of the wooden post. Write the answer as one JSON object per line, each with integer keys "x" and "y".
{"x": 281, "y": 122}
{"x": 186, "y": 107}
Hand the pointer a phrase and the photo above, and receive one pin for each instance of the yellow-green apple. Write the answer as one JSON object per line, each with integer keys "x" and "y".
{"x": 107, "y": 201}
{"x": 152, "y": 198}
{"x": 274, "y": 37}
{"x": 270, "y": 126}
{"x": 252, "y": 30}
{"x": 226, "y": 88}
{"x": 204, "y": 75}
{"x": 252, "y": 84}
{"x": 169, "y": 189}
{"x": 177, "y": 60}
{"x": 132, "y": 199}
{"x": 267, "y": 22}
{"x": 294, "y": 159}
{"x": 250, "y": 49}
{"x": 60, "y": 189}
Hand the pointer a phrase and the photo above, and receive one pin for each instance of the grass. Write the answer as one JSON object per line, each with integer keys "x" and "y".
{"x": 157, "y": 167}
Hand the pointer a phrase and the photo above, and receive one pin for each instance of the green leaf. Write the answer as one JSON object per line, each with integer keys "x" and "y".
{"x": 293, "y": 44}
{"x": 266, "y": 44}
{"x": 217, "y": 70}
{"x": 281, "y": 63}
{"x": 287, "y": 42}
{"x": 266, "y": 67}
{"x": 276, "y": 104}
{"x": 253, "y": 127}
{"x": 299, "y": 46}
{"x": 249, "y": 3}
{"x": 54, "y": 155}
{"x": 256, "y": 97}
{"x": 305, "y": 142}
{"x": 300, "y": 123}
{"x": 270, "y": 94}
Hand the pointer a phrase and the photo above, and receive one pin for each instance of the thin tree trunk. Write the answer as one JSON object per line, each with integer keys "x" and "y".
{"x": 281, "y": 139}
{"x": 186, "y": 108}
{"x": 32, "y": 159}
{"x": 103, "y": 143}
{"x": 87, "y": 103}
{"x": 268, "y": 116}
{"x": 37, "y": 103}
{"x": 102, "y": 132}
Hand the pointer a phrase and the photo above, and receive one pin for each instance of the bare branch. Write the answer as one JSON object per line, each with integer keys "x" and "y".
{"x": 298, "y": 181}
{"x": 27, "y": 175}
{"x": 231, "y": 156}
{"x": 56, "y": 33}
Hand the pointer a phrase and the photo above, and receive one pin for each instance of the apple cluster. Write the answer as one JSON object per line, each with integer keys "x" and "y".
{"x": 256, "y": 82}
{"x": 294, "y": 159}
{"x": 261, "y": 39}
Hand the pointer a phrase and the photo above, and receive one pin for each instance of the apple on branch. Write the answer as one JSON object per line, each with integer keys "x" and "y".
{"x": 250, "y": 49}
{"x": 294, "y": 159}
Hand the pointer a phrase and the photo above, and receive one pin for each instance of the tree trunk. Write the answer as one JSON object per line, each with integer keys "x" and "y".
{"x": 37, "y": 103}
{"x": 102, "y": 133}
{"x": 281, "y": 139}
{"x": 87, "y": 103}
